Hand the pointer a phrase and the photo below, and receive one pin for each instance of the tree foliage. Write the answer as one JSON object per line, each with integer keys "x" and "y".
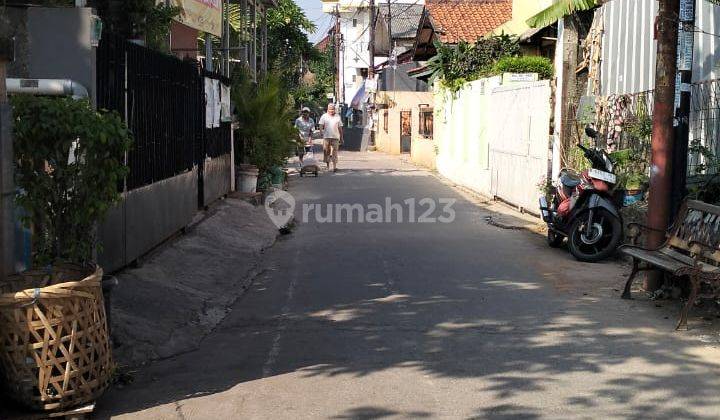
{"x": 288, "y": 42}
{"x": 157, "y": 25}
{"x": 313, "y": 93}
{"x": 69, "y": 163}
{"x": 146, "y": 19}
{"x": 558, "y": 10}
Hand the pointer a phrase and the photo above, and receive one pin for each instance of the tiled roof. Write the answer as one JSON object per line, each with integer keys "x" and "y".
{"x": 324, "y": 43}
{"x": 405, "y": 18}
{"x": 467, "y": 20}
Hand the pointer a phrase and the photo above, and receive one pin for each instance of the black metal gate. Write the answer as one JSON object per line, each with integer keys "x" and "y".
{"x": 161, "y": 99}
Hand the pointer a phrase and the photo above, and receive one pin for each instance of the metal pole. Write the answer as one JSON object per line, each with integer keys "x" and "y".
{"x": 371, "y": 45}
{"x": 686, "y": 48}
{"x": 253, "y": 47}
{"x": 208, "y": 52}
{"x": 264, "y": 43}
{"x": 391, "y": 48}
{"x": 242, "y": 36}
{"x": 233, "y": 127}
{"x": 226, "y": 39}
{"x": 371, "y": 70}
{"x": 659, "y": 202}
{"x": 7, "y": 186}
{"x": 337, "y": 39}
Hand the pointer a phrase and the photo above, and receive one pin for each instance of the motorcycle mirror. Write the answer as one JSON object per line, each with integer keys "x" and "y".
{"x": 591, "y": 132}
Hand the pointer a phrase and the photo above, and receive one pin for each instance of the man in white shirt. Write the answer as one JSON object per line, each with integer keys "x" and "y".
{"x": 332, "y": 128}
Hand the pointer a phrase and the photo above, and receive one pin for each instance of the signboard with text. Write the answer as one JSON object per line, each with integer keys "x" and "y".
{"x": 203, "y": 15}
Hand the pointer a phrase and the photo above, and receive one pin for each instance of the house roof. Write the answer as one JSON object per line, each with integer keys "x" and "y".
{"x": 405, "y": 18}
{"x": 467, "y": 20}
{"x": 324, "y": 43}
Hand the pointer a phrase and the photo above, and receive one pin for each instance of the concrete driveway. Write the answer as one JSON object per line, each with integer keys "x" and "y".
{"x": 429, "y": 320}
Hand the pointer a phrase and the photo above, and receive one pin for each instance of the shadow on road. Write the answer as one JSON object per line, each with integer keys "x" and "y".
{"x": 537, "y": 333}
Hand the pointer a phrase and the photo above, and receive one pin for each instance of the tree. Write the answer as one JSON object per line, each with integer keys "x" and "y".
{"x": 312, "y": 93}
{"x": 288, "y": 42}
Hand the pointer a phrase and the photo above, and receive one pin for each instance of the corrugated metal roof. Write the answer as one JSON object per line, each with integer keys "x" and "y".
{"x": 405, "y": 18}
{"x": 629, "y": 48}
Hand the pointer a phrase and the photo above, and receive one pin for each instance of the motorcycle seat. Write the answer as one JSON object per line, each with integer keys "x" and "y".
{"x": 570, "y": 180}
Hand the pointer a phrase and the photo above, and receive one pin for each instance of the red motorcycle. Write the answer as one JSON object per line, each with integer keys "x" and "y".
{"x": 583, "y": 209}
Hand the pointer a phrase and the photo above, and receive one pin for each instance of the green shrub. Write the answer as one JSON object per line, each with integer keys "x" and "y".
{"x": 69, "y": 163}
{"x": 455, "y": 65}
{"x": 266, "y": 116}
{"x": 526, "y": 64}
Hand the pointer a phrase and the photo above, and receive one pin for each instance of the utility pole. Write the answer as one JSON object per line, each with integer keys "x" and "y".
{"x": 371, "y": 45}
{"x": 686, "y": 47}
{"x": 660, "y": 200}
{"x": 226, "y": 39}
{"x": 391, "y": 47}
{"x": 7, "y": 186}
{"x": 337, "y": 40}
{"x": 371, "y": 73}
{"x": 208, "y": 52}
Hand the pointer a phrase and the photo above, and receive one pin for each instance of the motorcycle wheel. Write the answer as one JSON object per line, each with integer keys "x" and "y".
{"x": 554, "y": 240}
{"x": 606, "y": 236}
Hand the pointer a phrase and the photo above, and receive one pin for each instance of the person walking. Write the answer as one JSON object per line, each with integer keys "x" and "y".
{"x": 332, "y": 128}
{"x": 305, "y": 126}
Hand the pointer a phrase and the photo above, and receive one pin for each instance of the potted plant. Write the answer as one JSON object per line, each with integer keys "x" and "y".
{"x": 635, "y": 184}
{"x": 69, "y": 167}
{"x": 266, "y": 113}
{"x": 632, "y": 176}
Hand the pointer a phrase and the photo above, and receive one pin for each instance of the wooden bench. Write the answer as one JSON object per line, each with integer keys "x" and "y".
{"x": 691, "y": 249}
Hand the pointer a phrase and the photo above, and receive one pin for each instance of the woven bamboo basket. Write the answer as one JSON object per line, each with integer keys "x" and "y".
{"x": 54, "y": 344}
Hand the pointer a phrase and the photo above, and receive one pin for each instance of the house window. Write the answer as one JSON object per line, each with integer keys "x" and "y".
{"x": 426, "y": 122}
{"x": 385, "y": 121}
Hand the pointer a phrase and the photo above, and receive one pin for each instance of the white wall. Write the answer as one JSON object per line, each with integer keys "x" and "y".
{"x": 494, "y": 139}
{"x": 356, "y": 55}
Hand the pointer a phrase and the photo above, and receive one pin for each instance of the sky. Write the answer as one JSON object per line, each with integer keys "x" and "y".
{"x": 323, "y": 21}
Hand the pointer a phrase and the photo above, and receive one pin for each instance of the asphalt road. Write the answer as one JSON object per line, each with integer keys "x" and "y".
{"x": 428, "y": 320}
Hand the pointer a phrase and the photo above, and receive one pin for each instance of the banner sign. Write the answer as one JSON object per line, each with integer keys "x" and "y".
{"x": 687, "y": 10}
{"x": 203, "y": 15}
{"x": 686, "y": 39}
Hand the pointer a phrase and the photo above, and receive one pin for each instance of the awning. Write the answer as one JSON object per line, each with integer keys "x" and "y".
{"x": 422, "y": 72}
{"x": 530, "y": 33}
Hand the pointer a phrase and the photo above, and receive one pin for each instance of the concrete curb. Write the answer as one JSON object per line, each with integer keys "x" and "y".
{"x": 168, "y": 305}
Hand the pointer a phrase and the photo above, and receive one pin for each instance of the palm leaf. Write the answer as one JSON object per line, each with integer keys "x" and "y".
{"x": 236, "y": 19}
{"x": 559, "y": 9}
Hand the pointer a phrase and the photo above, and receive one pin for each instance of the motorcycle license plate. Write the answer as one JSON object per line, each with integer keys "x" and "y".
{"x": 602, "y": 175}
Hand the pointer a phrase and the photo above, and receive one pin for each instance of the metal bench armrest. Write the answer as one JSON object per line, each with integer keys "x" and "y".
{"x": 698, "y": 249}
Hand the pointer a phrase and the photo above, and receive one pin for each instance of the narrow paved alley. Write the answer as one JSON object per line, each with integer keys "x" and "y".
{"x": 437, "y": 320}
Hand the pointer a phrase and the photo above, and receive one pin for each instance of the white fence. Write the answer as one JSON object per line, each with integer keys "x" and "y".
{"x": 494, "y": 139}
